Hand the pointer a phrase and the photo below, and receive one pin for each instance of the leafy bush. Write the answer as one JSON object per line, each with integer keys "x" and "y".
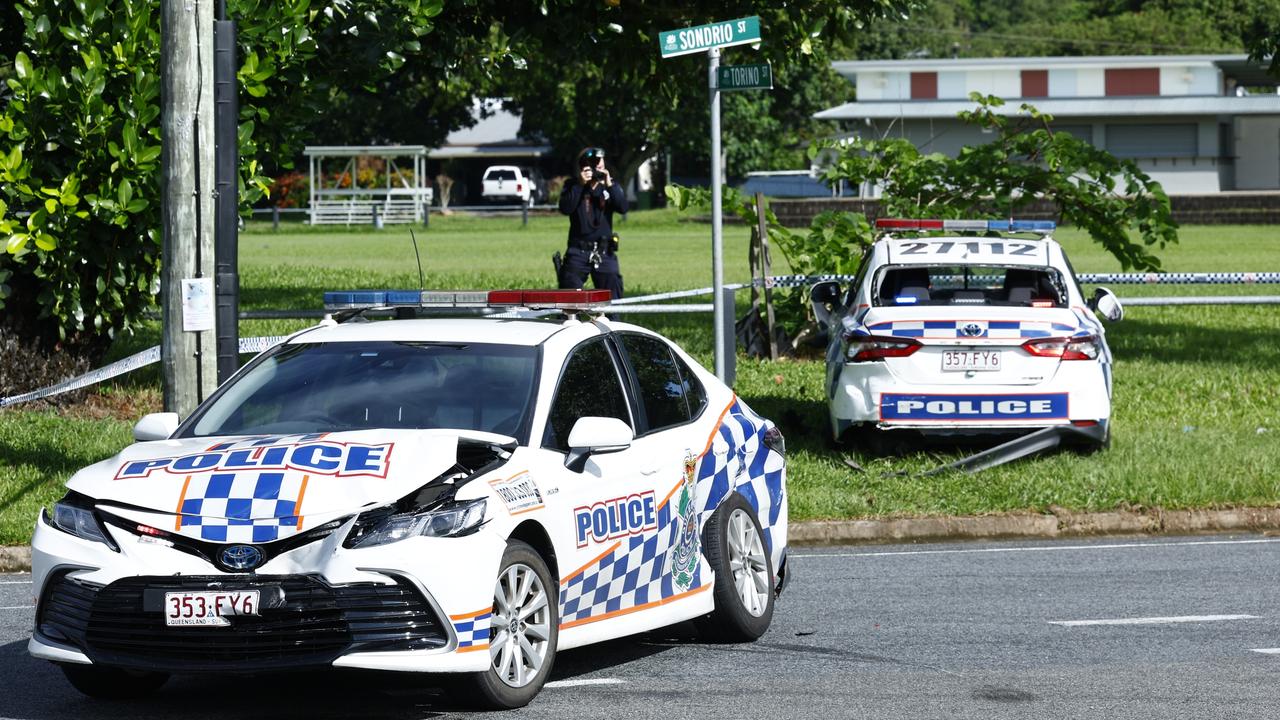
{"x": 290, "y": 190}
{"x": 79, "y": 154}
{"x": 80, "y": 215}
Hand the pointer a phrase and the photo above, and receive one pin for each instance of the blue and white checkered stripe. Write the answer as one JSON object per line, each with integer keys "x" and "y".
{"x": 638, "y": 572}
{"x": 990, "y": 329}
{"x": 473, "y": 631}
{"x": 739, "y": 462}
{"x": 634, "y": 574}
{"x": 242, "y": 507}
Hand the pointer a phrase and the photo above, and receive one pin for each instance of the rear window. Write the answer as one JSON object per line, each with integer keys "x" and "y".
{"x": 898, "y": 285}
{"x": 500, "y": 175}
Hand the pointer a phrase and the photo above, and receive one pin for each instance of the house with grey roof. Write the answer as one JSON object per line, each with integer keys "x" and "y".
{"x": 1196, "y": 123}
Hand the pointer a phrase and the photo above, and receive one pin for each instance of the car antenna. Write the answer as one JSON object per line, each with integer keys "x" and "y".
{"x": 422, "y": 283}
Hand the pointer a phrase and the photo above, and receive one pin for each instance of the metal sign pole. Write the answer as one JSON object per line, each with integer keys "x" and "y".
{"x": 717, "y": 241}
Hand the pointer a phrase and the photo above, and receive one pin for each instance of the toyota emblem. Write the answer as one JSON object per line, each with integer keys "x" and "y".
{"x": 241, "y": 557}
{"x": 972, "y": 329}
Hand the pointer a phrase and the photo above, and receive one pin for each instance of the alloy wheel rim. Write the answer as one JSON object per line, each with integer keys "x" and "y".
{"x": 747, "y": 563}
{"x": 520, "y": 627}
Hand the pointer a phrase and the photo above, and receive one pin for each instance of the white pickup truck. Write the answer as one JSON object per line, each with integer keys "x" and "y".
{"x": 511, "y": 184}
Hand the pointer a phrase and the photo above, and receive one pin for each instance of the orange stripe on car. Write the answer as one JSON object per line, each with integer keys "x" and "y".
{"x": 181, "y": 499}
{"x": 297, "y": 507}
{"x": 468, "y": 616}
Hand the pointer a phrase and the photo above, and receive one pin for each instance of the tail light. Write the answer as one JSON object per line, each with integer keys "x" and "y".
{"x": 1084, "y": 347}
{"x": 869, "y": 348}
{"x": 519, "y": 187}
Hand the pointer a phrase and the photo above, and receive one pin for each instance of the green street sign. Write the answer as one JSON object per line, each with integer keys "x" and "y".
{"x": 745, "y": 77}
{"x": 704, "y": 37}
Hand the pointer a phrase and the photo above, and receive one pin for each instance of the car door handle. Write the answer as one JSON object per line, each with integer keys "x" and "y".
{"x": 648, "y": 471}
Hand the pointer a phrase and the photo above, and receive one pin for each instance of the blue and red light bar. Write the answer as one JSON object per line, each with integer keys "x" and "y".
{"x": 1040, "y": 226}
{"x": 531, "y": 299}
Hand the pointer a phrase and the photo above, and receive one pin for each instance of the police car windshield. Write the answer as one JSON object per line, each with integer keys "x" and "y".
{"x": 330, "y": 387}
{"x": 1019, "y": 286}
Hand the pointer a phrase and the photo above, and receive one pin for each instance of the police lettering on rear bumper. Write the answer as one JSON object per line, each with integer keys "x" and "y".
{"x": 1042, "y": 406}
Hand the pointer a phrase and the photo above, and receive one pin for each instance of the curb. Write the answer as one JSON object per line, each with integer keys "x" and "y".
{"x": 15, "y": 558}
{"x": 1061, "y": 523}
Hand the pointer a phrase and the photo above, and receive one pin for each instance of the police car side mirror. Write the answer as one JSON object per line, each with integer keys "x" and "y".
{"x": 593, "y": 436}
{"x": 822, "y": 295}
{"x": 156, "y": 426}
{"x": 1106, "y": 302}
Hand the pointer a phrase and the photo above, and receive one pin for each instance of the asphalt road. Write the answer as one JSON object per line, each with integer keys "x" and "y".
{"x": 987, "y": 630}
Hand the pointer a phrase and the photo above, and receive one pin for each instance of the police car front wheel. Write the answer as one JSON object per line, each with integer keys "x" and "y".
{"x": 523, "y": 632}
{"x": 743, "y": 591}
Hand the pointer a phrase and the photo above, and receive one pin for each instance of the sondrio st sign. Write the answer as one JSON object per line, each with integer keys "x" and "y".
{"x": 704, "y": 37}
{"x": 709, "y": 39}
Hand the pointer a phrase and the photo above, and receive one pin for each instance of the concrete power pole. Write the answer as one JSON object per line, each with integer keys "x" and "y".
{"x": 186, "y": 287}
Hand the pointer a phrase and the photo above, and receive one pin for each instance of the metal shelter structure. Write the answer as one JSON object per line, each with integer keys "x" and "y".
{"x": 402, "y": 197}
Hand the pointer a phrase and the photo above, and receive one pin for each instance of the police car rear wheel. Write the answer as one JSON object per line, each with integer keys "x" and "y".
{"x": 743, "y": 591}
{"x": 113, "y": 683}
{"x": 523, "y": 632}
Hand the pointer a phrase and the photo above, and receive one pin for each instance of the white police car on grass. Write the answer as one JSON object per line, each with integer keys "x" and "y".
{"x": 424, "y": 495}
{"x": 979, "y": 329}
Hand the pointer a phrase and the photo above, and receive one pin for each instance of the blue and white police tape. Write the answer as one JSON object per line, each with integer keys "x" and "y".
{"x": 142, "y": 359}
{"x": 1218, "y": 278}
{"x": 787, "y": 281}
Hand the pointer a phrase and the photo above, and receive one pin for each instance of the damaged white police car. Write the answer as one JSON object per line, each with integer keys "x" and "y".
{"x": 463, "y": 495}
{"x": 981, "y": 329}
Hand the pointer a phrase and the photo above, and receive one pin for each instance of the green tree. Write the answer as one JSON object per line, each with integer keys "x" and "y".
{"x": 592, "y": 74}
{"x": 80, "y": 140}
{"x": 1013, "y": 28}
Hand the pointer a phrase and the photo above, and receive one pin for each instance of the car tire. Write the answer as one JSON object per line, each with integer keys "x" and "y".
{"x": 105, "y": 683}
{"x": 734, "y": 546}
{"x": 507, "y": 683}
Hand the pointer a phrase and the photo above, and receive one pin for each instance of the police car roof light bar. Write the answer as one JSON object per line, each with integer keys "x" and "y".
{"x": 1036, "y": 226}
{"x": 532, "y": 299}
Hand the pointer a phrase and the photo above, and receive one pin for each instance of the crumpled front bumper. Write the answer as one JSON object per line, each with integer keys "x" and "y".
{"x": 417, "y": 605}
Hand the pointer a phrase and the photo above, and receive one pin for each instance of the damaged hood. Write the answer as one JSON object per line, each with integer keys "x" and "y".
{"x": 263, "y": 488}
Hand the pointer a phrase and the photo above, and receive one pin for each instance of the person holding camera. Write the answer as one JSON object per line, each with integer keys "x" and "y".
{"x": 590, "y": 199}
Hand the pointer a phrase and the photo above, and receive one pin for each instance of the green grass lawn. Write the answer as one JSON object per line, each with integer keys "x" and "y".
{"x": 1197, "y": 408}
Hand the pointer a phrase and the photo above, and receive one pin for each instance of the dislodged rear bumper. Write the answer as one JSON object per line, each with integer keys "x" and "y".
{"x": 865, "y": 394}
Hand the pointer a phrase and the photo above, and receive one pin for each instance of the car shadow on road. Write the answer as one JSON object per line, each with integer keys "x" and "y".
{"x": 32, "y": 689}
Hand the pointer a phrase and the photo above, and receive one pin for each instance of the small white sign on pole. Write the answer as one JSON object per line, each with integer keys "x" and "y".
{"x": 197, "y": 304}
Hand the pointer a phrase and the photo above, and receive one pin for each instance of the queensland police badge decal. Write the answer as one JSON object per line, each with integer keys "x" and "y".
{"x": 684, "y": 559}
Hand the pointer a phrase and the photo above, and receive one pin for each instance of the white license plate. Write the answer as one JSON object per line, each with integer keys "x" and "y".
{"x": 208, "y": 607}
{"x": 966, "y": 360}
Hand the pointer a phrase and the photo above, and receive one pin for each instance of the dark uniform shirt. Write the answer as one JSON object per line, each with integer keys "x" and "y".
{"x": 591, "y": 211}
